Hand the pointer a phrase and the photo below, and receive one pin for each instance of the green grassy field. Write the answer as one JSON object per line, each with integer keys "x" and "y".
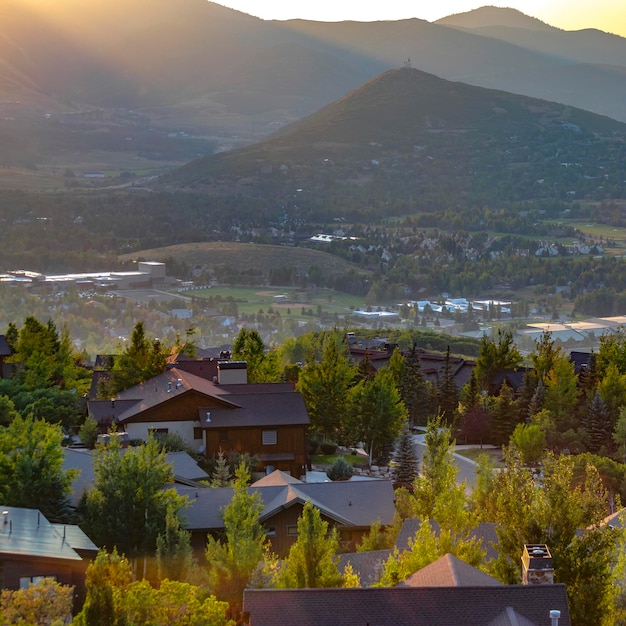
{"x": 251, "y": 299}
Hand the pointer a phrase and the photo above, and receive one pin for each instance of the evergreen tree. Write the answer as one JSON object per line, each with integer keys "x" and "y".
{"x": 505, "y": 415}
{"x": 262, "y": 367}
{"x": 174, "y": 557}
{"x": 312, "y": 560}
{"x": 612, "y": 389}
{"x": 588, "y": 377}
{"x": 221, "y": 475}
{"x": 561, "y": 387}
{"x": 141, "y": 360}
{"x": 414, "y": 390}
{"x": 537, "y": 401}
{"x": 447, "y": 392}
{"x": 324, "y": 387}
{"x": 406, "y": 464}
{"x": 496, "y": 355}
{"x": 597, "y": 424}
{"x": 376, "y": 415}
{"x": 232, "y": 562}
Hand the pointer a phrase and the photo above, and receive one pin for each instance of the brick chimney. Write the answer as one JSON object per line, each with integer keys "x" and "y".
{"x": 537, "y": 566}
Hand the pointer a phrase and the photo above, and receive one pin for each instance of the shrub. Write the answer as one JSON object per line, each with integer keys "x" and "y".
{"x": 340, "y": 469}
{"x": 328, "y": 447}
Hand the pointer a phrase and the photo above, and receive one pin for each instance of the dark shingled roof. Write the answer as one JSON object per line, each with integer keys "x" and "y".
{"x": 448, "y": 571}
{"x": 356, "y": 504}
{"x": 367, "y": 565}
{"x": 257, "y": 409}
{"x": 398, "y": 606}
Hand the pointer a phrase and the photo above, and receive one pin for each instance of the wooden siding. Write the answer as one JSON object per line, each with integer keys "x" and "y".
{"x": 290, "y": 441}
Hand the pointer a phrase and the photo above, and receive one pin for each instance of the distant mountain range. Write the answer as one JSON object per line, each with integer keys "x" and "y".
{"x": 420, "y": 142}
{"x": 198, "y": 66}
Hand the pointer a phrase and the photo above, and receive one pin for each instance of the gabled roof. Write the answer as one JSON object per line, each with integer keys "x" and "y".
{"x": 356, "y": 504}
{"x": 259, "y": 404}
{"x": 367, "y": 565}
{"x": 257, "y": 409}
{"x": 183, "y": 467}
{"x": 27, "y": 533}
{"x": 449, "y": 571}
{"x": 417, "y": 606}
{"x": 277, "y": 477}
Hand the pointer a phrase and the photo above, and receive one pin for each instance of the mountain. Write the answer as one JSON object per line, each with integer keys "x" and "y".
{"x": 198, "y": 67}
{"x": 588, "y": 46}
{"x": 411, "y": 137}
{"x": 488, "y": 16}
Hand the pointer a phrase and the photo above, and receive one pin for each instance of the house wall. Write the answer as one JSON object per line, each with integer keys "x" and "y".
{"x": 12, "y": 568}
{"x": 289, "y": 440}
{"x": 185, "y": 430}
{"x": 178, "y": 414}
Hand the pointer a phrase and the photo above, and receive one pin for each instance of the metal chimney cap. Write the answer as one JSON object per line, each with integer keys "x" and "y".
{"x": 555, "y": 614}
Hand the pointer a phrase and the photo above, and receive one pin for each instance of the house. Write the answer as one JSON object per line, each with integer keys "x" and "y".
{"x": 266, "y": 420}
{"x": 349, "y": 506}
{"x": 369, "y": 565}
{"x": 506, "y": 605}
{"x": 447, "y": 592}
{"x": 185, "y": 469}
{"x": 32, "y": 548}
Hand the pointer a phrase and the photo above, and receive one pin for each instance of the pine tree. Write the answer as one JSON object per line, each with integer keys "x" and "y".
{"x": 174, "y": 557}
{"x": 447, "y": 392}
{"x": 221, "y": 475}
{"x": 231, "y": 563}
{"x": 414, "y": 390}
{"x": 597, "y": 424}
{"x": 406, "y": 467}
{"x": 505, "y": 415}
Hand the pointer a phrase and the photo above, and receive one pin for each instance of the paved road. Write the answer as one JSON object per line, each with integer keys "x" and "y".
{"x": 467, "y": 468}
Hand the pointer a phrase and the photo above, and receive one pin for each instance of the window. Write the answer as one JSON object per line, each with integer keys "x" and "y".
{"x": 197, "y": 432}
{"x": 292, "y": 530}
{"x": 25, "y": 581}
{"x": 271, "y": 532}
{"x": 159, "y": 431}
{"x": 269, "y": 438}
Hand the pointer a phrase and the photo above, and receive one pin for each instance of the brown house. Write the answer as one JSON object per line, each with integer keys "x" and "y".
{"x": 350, "y": 506}
{"x": 447, "y": 592}
{"x": 267, "y": 420}
{"x": 32, "y": 548}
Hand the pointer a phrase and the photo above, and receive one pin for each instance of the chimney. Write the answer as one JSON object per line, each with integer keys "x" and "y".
{"x": 537, "y": 568}
{"x": 232, "y": 373}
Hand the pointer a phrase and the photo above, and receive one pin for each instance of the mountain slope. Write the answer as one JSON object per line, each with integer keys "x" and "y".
{"x": 407, "y": 132}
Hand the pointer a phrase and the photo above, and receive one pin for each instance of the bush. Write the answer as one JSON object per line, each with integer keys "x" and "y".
{"x": 340, "y": 470}
{"x": 328, "y": 447}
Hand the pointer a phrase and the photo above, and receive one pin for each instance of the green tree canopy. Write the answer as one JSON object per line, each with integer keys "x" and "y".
{"x": 324, "y": 386}
{"x": 31, "y": 468}
{"x": 127, "y": 505}
{"x": 312, "y": 560}
{"x": 231, "y": 563}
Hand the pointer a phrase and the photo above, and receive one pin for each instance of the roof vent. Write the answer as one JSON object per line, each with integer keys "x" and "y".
{"x": 208, "y": 417}
{"x": 169, "y": 387}
{"x": 179, "y": 383}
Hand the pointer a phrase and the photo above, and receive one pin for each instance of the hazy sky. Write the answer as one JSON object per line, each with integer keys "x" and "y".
{"x": 607, "y": 15}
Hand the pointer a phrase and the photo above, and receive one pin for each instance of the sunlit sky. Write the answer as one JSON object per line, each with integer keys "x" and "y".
{"x": 607, "y": 15}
